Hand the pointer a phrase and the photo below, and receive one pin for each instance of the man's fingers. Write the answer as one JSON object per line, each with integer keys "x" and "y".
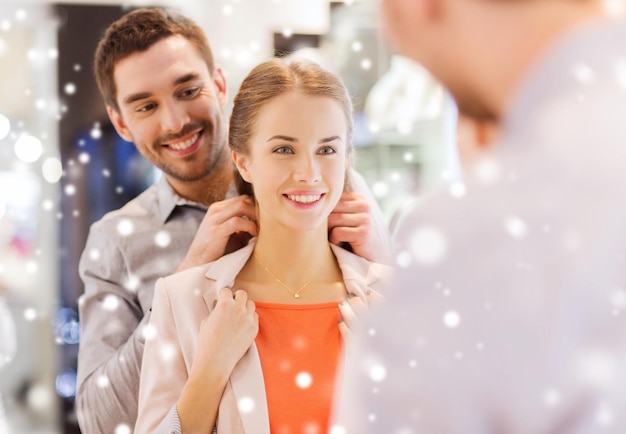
{"x": 240, "y": 206}
{"x": 351, "y": 203}
{"x": 345, "y": 219}
{"x": 343, "y": 234}
{"x": 344, "y": 330}
{"x": 348, "y": 315}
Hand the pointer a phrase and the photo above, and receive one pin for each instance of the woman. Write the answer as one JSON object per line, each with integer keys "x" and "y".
{"x": 251, "y": 343}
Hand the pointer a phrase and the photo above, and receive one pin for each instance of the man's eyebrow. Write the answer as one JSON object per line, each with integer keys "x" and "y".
{"x": 186, "y": 78}
{"x": 136, "y": 97}
{"x": 143, "y": 95}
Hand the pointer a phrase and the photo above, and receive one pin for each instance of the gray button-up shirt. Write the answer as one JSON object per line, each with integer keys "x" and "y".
{"x": 126, "y": 252}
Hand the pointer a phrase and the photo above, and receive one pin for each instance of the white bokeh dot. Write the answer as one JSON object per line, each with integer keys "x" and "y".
{"x": 337, "y": 429}
{"x": 167, "y": 352}
{"x": 95, "y": 133}
{"x": 403, "y": 259}
{"x": 111, "y": 302}
{"x": 377, "y": 372}
{"x": 357, "y": 46}
{"x": 47, "y": 204}
{"x": 31, "y": 267}
{"x": 94, "y": 254}
{"x": 28, "y": 148}
{"x": 380, "y": 189}
{"x": 125, "y": 227}
{"x": 102, "y": 381}
{"x": 428, "y": 245}
{"x": 366, "y": 64}
{"x": 304, "y": 380}
{"x": 132, "y": 283}
{"x": 516, "y": 227}
{"x": 123, "y": 429}
{"x": 245, "y": 404}
{"x": 70, "y": 189}
{"x": 30, "y": 314}
{"x": 84, "y": 158}
{"x": 162, "y": 239}
{"x": 70, "y": 88}
{"x": 451, "y": 319}
{"x": 457, "y": 189}
{"x": 583, "y": 73}
{"x": 487, "y": 170}
{"x": 149, "y": 332}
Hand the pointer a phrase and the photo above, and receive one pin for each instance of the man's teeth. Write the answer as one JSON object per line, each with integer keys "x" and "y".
{"x": 180, "y": 146}
{"x": 304, "y": 198}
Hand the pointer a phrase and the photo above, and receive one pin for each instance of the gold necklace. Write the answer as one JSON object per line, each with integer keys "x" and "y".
{"x": 296, "y": 294}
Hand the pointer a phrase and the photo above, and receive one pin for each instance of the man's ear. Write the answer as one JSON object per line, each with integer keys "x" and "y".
{"x": 242, "y": 162}
{"x": 220, "y": 84}
{"x": 119, "y": 124}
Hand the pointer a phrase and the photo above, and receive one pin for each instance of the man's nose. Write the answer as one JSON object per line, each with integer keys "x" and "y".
{"x": 173, "y": 117}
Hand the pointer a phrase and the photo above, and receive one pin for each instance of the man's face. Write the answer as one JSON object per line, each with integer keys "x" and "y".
{"x": 171, "y": 108}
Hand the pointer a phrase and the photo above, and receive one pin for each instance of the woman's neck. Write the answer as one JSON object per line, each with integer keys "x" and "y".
{"x": 293, "y": 256}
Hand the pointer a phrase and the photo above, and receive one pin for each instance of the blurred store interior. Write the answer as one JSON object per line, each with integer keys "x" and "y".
{"x": 62, "y": 166}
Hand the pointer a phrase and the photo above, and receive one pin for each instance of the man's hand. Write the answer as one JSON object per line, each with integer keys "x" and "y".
{"x": 226, "y": 223}
{"x": 353, "y": 308}
{"x": 351, "y": 222}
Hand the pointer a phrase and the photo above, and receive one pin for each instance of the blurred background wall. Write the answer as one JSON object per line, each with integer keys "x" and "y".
{"x": 62, "y": 166}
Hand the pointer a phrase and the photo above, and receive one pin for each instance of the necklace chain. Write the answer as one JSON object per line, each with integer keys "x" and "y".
{"x": 296, "y": 294}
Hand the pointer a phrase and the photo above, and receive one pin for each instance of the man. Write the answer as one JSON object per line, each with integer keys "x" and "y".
{"x": 163, "y": 92}
{"x": 507, "y": 314}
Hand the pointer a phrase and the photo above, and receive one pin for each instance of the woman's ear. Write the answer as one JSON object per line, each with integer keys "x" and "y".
{"x": 242, "y": 162}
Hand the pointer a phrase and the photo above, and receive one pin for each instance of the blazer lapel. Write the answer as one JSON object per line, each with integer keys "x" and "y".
{"x": 246, "y": 380}
{"x": 248, "y": 387}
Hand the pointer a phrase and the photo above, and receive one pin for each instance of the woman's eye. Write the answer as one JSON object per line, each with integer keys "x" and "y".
{"x": 283, "y": 150}
{"x": 327, "y": 150}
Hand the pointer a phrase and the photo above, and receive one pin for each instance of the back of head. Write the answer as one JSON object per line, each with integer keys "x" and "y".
{"x": 136, "y": 32}
{"x": 274, "y": 78}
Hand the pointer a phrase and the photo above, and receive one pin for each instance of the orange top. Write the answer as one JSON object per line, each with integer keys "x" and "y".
{"x": 299, "y": 347}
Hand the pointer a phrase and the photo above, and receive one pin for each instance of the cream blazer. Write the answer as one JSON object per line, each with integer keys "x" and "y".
{"x": 181, "y": 302}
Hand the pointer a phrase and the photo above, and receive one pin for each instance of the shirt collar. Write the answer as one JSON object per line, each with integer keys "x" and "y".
{"x": 169, "y": 199}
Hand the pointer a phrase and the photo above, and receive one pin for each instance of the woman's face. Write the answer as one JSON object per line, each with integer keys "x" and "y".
{"x": 297, "y": 160}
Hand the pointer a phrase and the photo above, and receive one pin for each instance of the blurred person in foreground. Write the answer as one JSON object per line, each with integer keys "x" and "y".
{"x": 165, "y": 94}
{"x": 508, "y": 310}
{"x": 252, "y": 342}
